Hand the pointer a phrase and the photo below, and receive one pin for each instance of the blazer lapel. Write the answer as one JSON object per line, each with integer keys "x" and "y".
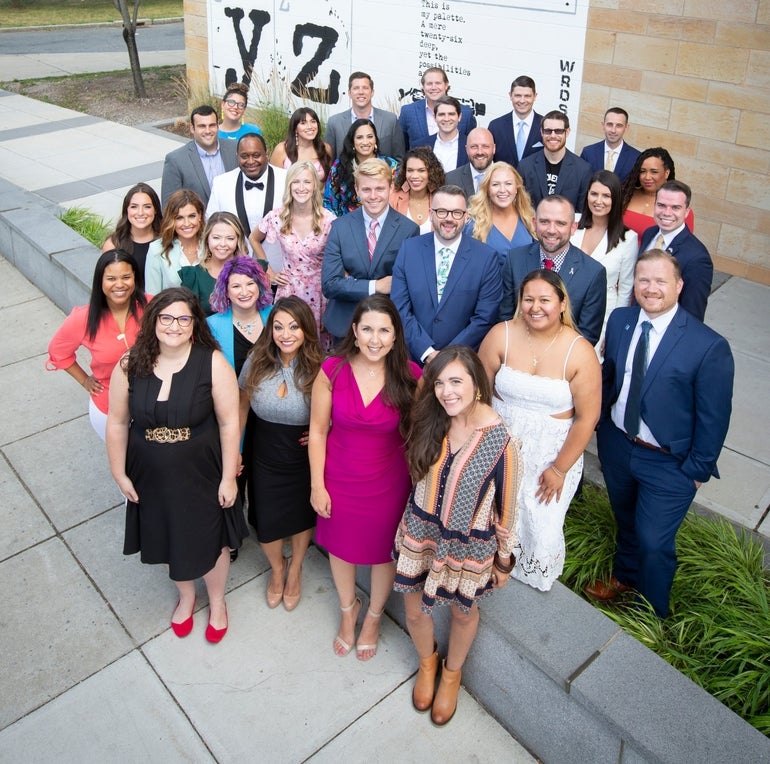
{"x": 269, "y": 191}
{"x": 383, "y": 242}
{"x": 459, "y": 264}
{"x": 668, "y": 342}
{"x": 429, "y": 267}
{"x": 570, "y": 266}
{"x": 240, "y": 207}
{"x": 197, "y": 164}
{"x": 358, "y": 231}
{"x": 622, "y": 356}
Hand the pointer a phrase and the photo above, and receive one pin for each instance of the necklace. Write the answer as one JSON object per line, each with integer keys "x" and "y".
{"x": 535, "y": 360}
{"x": 247, "y": 328}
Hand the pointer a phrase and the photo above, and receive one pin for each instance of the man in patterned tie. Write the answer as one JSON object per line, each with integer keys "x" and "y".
{"x": 446, "y": 285}
{"x": 665, "y": 413}
{"x": 613, "y": 153}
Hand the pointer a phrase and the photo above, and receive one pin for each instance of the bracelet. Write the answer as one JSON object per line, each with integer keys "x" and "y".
{"x": 558, "y": 472}
{"x": 498, "y": 563}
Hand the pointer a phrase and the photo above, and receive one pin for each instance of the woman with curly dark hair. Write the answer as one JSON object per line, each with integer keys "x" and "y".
{"x": 276, "y": 382}
{"x": 653, "y": 167}
{"x": 360, "y": 144}
{"x": 303, "y": 143}
{"x": 359, "y": 417}
{"x": 138, "y": 225}
{"x": 417, "y": 178}
{"x": 172, "y": 443}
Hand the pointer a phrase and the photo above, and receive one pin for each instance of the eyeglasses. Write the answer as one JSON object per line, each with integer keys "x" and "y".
{"x": 166, "y": 319}
{"x": 442, "y": 214}
{"x": 235, "y": 104}
{"x": 553, "y": 130}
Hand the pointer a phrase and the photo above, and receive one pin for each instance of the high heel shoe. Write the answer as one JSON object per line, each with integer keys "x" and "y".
{"x": 360, "y": 649}
{"x": 425, "y": 684}
{"x": 215, "y": 635}
{"x": 340, "y": 646}
{"x": 184, "y": 628}
{"x": 445, "y": 702}
{"x": 290, "y": 601}
{"x": 274, "y": 598}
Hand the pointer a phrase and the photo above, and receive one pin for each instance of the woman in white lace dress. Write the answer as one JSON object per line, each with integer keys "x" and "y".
{"x": 548, "y": 391}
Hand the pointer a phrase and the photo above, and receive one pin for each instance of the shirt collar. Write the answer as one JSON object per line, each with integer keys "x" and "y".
{"x": 669, "y": 237}
{"x": 659, "y": 323}
{"x": 202, "y": 153}
{"x": 368, "y": 219}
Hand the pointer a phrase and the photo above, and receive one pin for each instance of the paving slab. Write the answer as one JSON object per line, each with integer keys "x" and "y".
{"x": 61, "y": 630}
{"x": 120, "y": 714}
{"x": 735, "y": 308}
{"x": 26, "y": 328}
{"x": 394, "y": 731}
{"x": 750, "y": 420}
{"x": 15, "y": 289}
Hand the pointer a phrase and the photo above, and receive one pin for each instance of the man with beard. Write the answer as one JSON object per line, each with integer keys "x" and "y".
{"x": 480, "y": 148}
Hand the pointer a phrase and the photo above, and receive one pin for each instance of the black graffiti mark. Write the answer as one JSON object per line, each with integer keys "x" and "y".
{"x": 300, "y": 86}
{"x": 259, "y": 20}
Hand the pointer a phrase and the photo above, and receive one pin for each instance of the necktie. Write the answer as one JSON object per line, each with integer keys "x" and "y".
{"x": 477, "y": 179}
{"x": 548, "y": 263}
{"x": 249, "y": 185}
{"x": 633, "y": 414}
{"x": 610, "y": 163}
{"x": 521, "y": 139}
{"x": 442, "y": 272}
{"x": 371, "y": 239}
{"x": 660, "y": 243}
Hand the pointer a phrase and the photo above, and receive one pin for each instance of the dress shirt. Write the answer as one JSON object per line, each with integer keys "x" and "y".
{"x": 668, "y": 237}
{"x": 558, "y": 259}
{"x": 254, "y": 199}
{"x": 617, "y": 151}
{"x": 659, "y": 326}
{"x": 212, "y": 163}
{"x": 527, "y": 125}
{"x": 446, "y": 152}
{"x": 369, "y": 116}
{"x": 367, "y": 222}
{"x": 430, "y": 118}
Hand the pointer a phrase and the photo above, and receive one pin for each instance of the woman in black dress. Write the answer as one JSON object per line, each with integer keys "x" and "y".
{"x": 172, "y": 443}
{"x": 139, "y": 223}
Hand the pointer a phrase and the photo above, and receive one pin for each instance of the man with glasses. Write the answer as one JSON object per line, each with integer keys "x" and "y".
{"x": 197, "y": 163}
{"x": 555, "y": 169}
{"x": 446, "y": 286}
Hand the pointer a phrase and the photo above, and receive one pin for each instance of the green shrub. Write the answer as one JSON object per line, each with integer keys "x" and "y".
{"x": 88, "y": 224}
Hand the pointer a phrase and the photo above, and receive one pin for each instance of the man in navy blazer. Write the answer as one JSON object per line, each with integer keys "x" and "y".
{"x": 184, "y": 167}
{"x": 672, "y": 203}
{"x": 661, "y": 430}
{"x": 584, "y": 278}
{"x": 505, "y": 129}
{"x": 448, "y": 144}
{"x": 555, "y": 169}
{"x": 349, "y": 271}
{"x": 446, "y": 285}
{"x": 417, "y": 119}
{"x": 613, "y": 153}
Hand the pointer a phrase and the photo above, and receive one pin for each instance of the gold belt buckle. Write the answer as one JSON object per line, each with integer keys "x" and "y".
{"x": 167, "y": 434}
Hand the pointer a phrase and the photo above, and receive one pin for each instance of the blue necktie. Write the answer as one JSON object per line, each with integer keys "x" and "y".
{"x": 633, "y": 413}
{"x": 521, "y": 140}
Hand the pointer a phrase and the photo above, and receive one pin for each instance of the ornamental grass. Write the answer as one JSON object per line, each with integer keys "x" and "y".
{"x": 718, "y": 633}
{"x": 88, "y": 224}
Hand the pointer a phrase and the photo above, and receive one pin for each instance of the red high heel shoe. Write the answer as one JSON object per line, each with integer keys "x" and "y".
{"x": 184, "y": 628}
{"x": 215, "y": 635}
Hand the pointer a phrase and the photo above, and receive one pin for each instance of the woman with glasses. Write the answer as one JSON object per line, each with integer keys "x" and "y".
{"x": 234, "y": 103}
{"x": 172, "y": 442}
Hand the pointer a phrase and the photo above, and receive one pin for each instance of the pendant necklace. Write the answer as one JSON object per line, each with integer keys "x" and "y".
{"x": 535, "y": 360}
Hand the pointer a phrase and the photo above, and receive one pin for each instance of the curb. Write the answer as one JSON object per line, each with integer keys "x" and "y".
{"x": 93, "y": 25}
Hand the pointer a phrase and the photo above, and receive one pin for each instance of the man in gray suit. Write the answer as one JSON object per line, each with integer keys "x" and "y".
{"x": 389, "y": 135}
{"x": 196, "y": 164}
{"x": 480, "y": 148}
{"x": 362, "y": 247}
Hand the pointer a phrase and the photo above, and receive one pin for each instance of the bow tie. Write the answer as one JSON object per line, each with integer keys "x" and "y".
{"x": 249, "y": 185}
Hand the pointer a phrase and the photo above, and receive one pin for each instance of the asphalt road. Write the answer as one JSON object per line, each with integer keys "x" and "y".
{"x": 156, "y": 37}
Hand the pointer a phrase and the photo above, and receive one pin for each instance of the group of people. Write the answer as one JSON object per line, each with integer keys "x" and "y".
{"x": 419, "y": 385}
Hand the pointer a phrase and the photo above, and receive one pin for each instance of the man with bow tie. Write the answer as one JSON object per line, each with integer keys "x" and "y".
{"x": 251, "y": 191}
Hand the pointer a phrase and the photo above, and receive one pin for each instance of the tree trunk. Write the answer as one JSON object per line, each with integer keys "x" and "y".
{"x": 129, "y": 35}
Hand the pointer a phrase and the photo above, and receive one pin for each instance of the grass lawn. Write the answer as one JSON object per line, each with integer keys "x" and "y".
{"x": 29, "y": 13}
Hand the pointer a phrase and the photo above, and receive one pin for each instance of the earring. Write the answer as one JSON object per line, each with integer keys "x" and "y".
{"x": 478, "y": 395}
{"x": 355, "y": 342}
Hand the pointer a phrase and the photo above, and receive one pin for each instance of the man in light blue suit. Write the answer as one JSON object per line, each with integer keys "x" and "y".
{"x": 362, "y": 247}
{"x": 613, "y": 153}
{"x": 584, "y": 278}
{"x": 446, "y": 285}
{"x": 666, "y": 403}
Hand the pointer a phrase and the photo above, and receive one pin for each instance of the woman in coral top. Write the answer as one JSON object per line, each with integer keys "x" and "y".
{"x": 106, "y": 327}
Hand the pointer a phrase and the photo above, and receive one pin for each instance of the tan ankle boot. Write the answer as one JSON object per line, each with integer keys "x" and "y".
{"x": 425, "y": 684}
{"x": 445, "y": 702}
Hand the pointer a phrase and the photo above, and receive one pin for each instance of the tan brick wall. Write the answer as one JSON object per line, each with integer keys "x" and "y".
{"x": 695, "y": 77}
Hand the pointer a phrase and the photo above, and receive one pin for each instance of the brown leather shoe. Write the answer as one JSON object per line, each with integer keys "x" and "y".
{"x": 445, "y": 702}
{"x": 425, "y": 685}
{"x": 608, "y": 590}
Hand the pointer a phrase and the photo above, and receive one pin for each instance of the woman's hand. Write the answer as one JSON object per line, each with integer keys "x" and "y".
{"x": 550, "y": 485}
{"x": 502, "y": 533}
{"x": 127, "y": 488}
{"x": 228, "y": 491}
{"x": 303, "y": 439}
{"x": 499, "y": 579}
{"x": 93, "y": 385}
{"x": 321, "y": 502}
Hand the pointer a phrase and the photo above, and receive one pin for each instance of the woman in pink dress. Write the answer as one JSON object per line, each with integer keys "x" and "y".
{"x": 301, "y": 227}
{"x": 359, "y": 479}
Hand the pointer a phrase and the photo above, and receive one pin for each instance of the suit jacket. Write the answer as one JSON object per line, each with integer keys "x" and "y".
{"x": 696, "y": 265}
{"x": 227, "y": 195}
{"x": 462, "y": 155}
{"x": 686, "y": 397}
{"x": 585, "y": 279}
{"x": 414, "y": 124}
{"x": 624, "y": 162}
{"x": 346, "y": 269}
{"x": 462, "y": 177}
{"x": 183, "y": 168}
{"x": 505, "y": 138}
{"x": 390, "y": 139}
{"x": 574, "y": 177}
{"x": 468, "y": 307}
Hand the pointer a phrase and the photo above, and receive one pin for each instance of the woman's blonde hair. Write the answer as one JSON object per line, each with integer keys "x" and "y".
{"x": 480, "y": 206}
{"x": 316, "y": 200}
{"x": 241, "y": 248}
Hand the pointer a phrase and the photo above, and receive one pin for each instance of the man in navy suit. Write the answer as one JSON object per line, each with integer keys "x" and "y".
{"x": 555, "y": 169}
{"x": 447, "y": 144}
{"x": 672, "y": 203}
{"x": 480, "y": 150}
{"x": 197, "y": 163}
{"x": 613, "y": 153}
{"x": 418, "y": 120}
{"x": 446, "y": 285}
{"x": 362, "y": 247}
{"x": 666, "y": 402}
{"x": 517, "y": 133}
{"x": 584, "y": 278}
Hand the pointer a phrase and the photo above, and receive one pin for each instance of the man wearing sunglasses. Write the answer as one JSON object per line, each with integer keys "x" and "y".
{"x": 555, "y": 169}
{"x": 446, "y": 285}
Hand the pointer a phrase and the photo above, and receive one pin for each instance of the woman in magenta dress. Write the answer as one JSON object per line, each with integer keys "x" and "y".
{"x": 359, "y": 477}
